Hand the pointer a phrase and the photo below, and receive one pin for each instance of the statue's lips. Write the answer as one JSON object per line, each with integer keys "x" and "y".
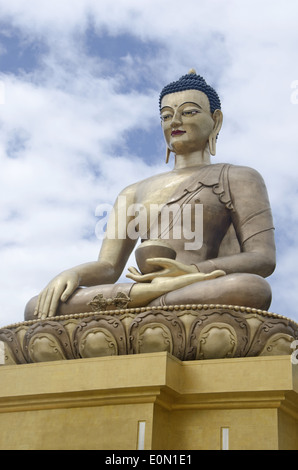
{"x": 177, "y": 132}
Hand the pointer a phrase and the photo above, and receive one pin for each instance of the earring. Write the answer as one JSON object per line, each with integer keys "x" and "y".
{"x": 168, "y": 155}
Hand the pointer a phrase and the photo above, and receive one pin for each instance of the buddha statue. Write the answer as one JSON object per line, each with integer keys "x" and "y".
{"x": 217, "y": 244}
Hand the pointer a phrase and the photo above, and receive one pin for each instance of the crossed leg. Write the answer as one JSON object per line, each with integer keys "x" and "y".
{"x": 248, "y": 290}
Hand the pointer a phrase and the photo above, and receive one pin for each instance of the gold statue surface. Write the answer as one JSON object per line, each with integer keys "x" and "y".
{"x": 216, "y": 246}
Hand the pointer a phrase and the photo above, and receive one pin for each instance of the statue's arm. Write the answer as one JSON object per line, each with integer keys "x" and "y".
{"x": 252, "y": 220}
{"x": 107, "y": 269}
{"x": 257, "y": 257}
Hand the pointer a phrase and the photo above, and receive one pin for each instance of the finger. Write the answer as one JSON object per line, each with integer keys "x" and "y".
{"x": 41, "y": 302}
{"x": 133, "y": 270}
{"x": 54, "y": 304}
{"x": 218, "y": 273}
{"x": 134, "y": 277}
{"x": 164, "y": 262}
{"x": 70, "y": 287}
{"x": 37, "y": 306}
{"x": 214, "y": 274}
{"x": 46, "y": 305}
{"x": 141, "y": 277}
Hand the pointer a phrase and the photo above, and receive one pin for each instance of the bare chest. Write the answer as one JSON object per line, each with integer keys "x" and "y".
{"x": 160, "y": 189}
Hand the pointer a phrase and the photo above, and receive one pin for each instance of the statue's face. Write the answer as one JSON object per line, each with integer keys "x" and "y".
{"x": 186, "y": 121}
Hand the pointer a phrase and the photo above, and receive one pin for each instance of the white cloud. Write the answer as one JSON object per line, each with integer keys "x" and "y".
{"x": 65, "y": 122}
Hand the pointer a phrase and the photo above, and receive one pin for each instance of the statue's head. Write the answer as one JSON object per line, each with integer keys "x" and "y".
{"x": 197, "y": 105}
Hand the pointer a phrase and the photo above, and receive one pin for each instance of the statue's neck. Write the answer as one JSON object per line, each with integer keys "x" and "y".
{"x": 198, "y": 158}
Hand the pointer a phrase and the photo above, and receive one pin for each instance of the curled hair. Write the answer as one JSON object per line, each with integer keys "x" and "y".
{"x": 192, "y": 81}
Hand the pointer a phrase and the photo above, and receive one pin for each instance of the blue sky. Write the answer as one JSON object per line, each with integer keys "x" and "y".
{"x": 80, "y": 119}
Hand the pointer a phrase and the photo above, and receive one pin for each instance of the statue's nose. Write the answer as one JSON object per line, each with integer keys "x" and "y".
{"x": 176, "y": 121}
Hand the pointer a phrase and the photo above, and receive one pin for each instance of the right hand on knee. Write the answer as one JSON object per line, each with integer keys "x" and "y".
{"x": 59, "y": 289}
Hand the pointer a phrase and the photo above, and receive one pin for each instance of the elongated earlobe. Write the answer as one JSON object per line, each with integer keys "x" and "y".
{"x": 218, "y": 118}
{"x": 212, "y": 145}
{"x": 168, "y": 155}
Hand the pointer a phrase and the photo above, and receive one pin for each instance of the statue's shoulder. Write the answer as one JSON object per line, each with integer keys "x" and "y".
{"x": 223, "y": 173}
{"x": 243, "y": 174}
{"x": 129, "y": 192}
{"x": 238, "y": 183}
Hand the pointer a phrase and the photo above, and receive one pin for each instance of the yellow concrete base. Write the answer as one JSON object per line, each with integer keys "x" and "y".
{"x": 98, "y": 403}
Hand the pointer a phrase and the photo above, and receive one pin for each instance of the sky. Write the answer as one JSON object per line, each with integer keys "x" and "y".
{"x": 79, "y": 120}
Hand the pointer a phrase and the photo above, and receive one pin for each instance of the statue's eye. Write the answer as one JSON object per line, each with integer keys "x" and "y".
{"x": 166, "y": 117}
{"x": 190, "y": 113}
